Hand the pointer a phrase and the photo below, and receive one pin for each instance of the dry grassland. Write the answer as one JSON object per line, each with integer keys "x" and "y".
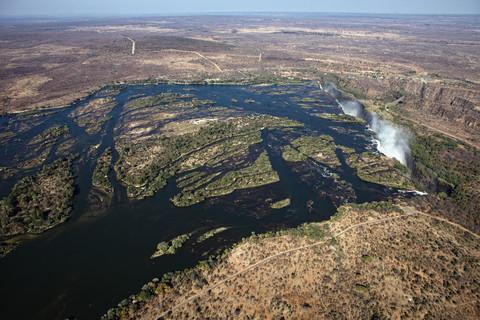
{"x": 406, "y": 267}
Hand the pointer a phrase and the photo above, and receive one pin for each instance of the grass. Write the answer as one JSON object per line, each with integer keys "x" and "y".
{"x": 258, "y": 174}
{"x": 280, "y": 204}
{"x": 319, "y": 148}
{"x": 292, "y": 155}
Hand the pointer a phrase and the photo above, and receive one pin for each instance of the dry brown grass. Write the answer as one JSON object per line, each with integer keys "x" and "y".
{"x": 408, "y": 267}
{"x": 435, "y": 61}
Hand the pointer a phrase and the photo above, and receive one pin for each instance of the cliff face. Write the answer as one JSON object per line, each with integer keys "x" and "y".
{"x": 451, "y": 106}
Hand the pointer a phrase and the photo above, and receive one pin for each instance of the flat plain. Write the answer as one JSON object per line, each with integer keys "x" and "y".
{"x": 414, "y": 258}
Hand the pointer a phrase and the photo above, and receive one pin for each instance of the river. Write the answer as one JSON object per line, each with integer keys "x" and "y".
{"x": 89, "y": 264}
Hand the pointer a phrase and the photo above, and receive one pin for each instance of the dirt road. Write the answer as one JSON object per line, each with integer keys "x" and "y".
{"x": 410, "y": 213}
{"x": 264, "y": 261}
{"x": 198, "y": 54}
{"x": 133, "y": 45}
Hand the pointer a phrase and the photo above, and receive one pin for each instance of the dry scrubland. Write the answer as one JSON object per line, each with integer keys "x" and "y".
{"x": 406, "y": 266}
{"x": 430, "y": 61}
{"x": 410, "y": 267}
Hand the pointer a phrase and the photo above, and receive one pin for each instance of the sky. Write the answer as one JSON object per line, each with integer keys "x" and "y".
{"x": 168, "y": 7}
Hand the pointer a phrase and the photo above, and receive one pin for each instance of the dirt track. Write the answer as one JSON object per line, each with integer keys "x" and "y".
{"x": 410, "y": 212}
{"x": 264, "y": 261}
{"x": 198, "y": 54}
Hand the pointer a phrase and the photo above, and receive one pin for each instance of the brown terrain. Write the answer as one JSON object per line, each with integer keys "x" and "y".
{"x": 422, "y": 72}
{"x": 432, "y": 62}
{"x": 366, "y": 263}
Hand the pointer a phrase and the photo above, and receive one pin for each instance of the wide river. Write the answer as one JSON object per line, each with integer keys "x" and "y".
{"x": 89, "y": 264}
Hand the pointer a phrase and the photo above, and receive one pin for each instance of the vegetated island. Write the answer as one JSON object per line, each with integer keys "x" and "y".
{"x": 171, "y": 247}
{"x": 211, "y": 233}
{"x": 377, "y": 168}
{"x": 344, "y": 118}
{"x": 320, "y": 148}
{"x": 100, "y": 175}
{"x": 281, "y": 204}
{"x": 152, "y": 148}
{"x": 41, "y": 201}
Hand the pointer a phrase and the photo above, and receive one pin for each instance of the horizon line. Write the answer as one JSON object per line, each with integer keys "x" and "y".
{"x": 227, "y": 13}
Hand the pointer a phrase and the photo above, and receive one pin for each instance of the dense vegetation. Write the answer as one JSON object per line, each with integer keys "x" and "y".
{"x": 170, "y": 247}
{"x": 292, "y": 155}
{"x": 344, "y": 118}
{"x": 50, "y": 135}
{"x": 320, "y": 148}
{"x": 100, "y": 175}
{"x": 377, "y": 168}
{"x": 434, "y": 155}
{"x": 39, "y": 202}
{"x": 451, "y": 172}
{"x": 151, "y": 162}
{"x": 258, "y": 174}
{"x": 6, "y": 247}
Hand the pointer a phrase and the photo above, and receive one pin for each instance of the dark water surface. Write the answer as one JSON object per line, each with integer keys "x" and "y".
{"x": 87, "y": 265}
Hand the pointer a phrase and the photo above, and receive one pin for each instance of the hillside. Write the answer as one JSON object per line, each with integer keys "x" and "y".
{"x": 368, "y": 262}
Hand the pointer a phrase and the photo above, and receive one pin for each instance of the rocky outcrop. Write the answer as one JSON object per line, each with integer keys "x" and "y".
{"x": 451, "y": 103}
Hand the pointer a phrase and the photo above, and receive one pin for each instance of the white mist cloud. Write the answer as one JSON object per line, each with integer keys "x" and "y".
{"x": 352, "y": 108}
{"x": 392, "y": 142}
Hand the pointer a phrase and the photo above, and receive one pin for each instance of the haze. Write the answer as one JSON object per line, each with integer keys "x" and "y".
{"x": 154, "y": 7}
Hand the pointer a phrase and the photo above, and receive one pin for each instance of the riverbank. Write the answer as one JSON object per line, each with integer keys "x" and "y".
{"x": 299, "y": 268}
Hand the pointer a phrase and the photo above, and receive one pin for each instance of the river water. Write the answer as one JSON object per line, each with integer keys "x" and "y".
{"x": 89, "y": 264}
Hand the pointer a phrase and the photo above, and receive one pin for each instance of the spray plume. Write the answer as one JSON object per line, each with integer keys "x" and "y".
{"x": 391, "y": 141}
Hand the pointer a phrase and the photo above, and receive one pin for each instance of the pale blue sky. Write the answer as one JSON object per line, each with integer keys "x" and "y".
{"x": 159, "y": 7}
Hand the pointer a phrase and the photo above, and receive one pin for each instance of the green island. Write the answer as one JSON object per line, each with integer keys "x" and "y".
{"x": 50, "y": 135}
{"x": 211, "y": 233}
{"x": 377, "y": 168}
{"x": 281, "y": 204}
{"x": 290, "y": 154}
{"x": 170, "y": 247}
{"x": 100, "y": 174}
{"x": 39, "y": 202}
{"x": 152, "y": 147}
{"x": 40, "y": 146}
{"x": 258, "y": 174}
{"x": 94, "y": 114}
{"x": 7, "y": 247}
{"x": 320, "y": 148}
{"x": 163, "y": 98}
{"x": 343, "y": 118}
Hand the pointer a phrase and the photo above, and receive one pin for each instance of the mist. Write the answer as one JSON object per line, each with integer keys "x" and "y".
{"x": 391, "y": 141}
